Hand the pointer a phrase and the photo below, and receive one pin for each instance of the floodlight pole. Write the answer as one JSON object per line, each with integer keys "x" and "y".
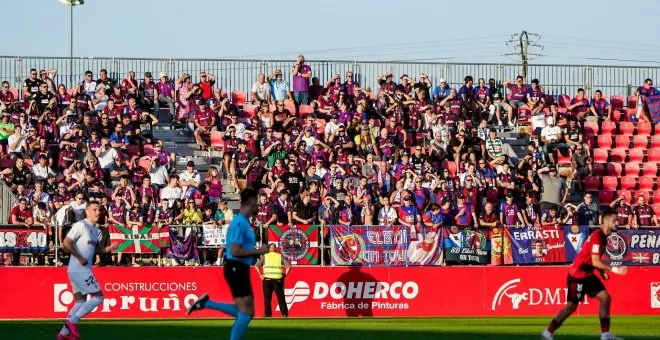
{"x": 71, "y": 4}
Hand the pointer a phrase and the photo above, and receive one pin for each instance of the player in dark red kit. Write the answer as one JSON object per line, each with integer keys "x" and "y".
{"x": 583, "y": 280}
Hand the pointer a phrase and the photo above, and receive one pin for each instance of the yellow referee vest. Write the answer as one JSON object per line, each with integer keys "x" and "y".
{"x": 273, "y": 266}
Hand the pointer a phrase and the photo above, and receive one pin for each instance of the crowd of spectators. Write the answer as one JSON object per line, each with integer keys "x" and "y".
{"x": 408, "y": 153}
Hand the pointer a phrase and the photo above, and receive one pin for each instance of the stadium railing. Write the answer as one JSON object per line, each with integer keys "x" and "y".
{"x": 346, "y": 245}
{"x": 237, "y": 74}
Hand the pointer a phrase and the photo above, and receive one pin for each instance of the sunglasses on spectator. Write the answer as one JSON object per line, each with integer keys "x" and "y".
{"x": 407, "y": 198}
{"x": 61, "y": 187}
{"x": 418, "y": 181}
{"x": 33, "y": 73}
{"x": 79, "y": 197}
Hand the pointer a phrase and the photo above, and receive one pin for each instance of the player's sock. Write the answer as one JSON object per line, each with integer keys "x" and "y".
{"x": 605, "y": 324}
{"x": 554, "y": 324}
{"x": 240, "y": 326}
{"x": 73, "y": 311}
{"x": 227, "y": 308}
{"x": 86, "y": 308}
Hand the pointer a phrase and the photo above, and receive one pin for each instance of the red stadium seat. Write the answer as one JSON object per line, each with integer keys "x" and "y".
{"x": 617, "y": 102}
{"x": 592, "y": 183}
{"x": 145, "y": 162}
{"x": 605, "y": 141}
{"x": 646, "y": 194}
{"x": 622, "y": 141}
{"x": 607, "y": 128}
{"x": 632, "y": 169}
{"x": 628, "y": 183}
{"x": 629, "y": 113}
{"x": 641, "y": 142}
{"x": 216, "y": 140}
{"x": 290, "y": 105}
{"x": 250, "y": 110}
{"x": 655, "y": 141}
{"x": 305, "y": 110}
{"x": 7, "y": 163}
{"x": 591, "y": 129}
{"x": 564, "y": 100}
{"x": 549, "y": 99}
{"x": 627, "y": 195}
{"x": 626, "y": 128}
{"x": 614, "y": 169}
{"x": 591, "y": 141}
{"x": 148, "y": 149}
{"x": 632, "y": 101}
{"x": 656, "y": 197}
{"x": 606, "y": 196}
{"x": 600, "y": 155}
{"x": 618, "y": 155}
{"x": 610, "y": 183}
{"x": 646, "y": 183}
{"x": 599, "y": 169}
{"x": 636, "y": 155}
{"x": 617, "y": 116}
{"x": 451, "y": 166}
{"x": 656, "y": 208}
{"x": 238, "y": 97}
{"x": 132, "y": 150}
{"x": 650, "y": 169}
{"x": 644, "y": 128}
{"x": 564, "y": 159}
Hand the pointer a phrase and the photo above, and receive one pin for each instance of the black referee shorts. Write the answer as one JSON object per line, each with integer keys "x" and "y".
{"x": 237, "y": 275}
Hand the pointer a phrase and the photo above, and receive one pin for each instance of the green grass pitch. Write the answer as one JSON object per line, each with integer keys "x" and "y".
{"x": 628, "y": 327}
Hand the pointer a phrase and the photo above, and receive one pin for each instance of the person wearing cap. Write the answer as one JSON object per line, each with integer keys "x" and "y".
{"x": 279, "y": 88}
{"x": 441, "y": 91}
{"x": 302, "y": 73}
{"x": 365, "y": 143}
{"x": 423, "y": 83}
{"x": 555, "y": 190}
{"x": 147, "y": 92}
{"x": 550, "y": 137}
{"x": 165, "y": 93}
{"x": 465, "y": 213}
{"x": 387, "y": 85}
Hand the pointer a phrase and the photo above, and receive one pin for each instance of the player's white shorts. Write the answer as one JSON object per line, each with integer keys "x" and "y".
{"x": 84, "y": 282}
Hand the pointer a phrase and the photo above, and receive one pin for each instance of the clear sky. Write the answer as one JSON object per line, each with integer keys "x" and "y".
{"x": 572, "y": 32}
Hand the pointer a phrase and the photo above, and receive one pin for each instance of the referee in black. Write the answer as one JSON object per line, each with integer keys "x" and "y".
{"x": 269, "y": 267}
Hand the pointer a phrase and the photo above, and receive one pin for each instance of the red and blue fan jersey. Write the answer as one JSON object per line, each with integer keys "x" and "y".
{"x": 535, "y": 95}
{"x": 481, "y": 94}
{"x": 409, "y": 214}
{"x": 422, "y": 197}
{"x": 510, "y": 212}
{"x": 518, "y": 93}
{"x": 465, "y": 219}
{"x": 600, "y": 105}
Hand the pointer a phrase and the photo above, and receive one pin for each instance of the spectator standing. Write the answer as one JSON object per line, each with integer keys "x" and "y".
{"x": 147, "y": 93}
{"x": 587, "y": 212}
{"x": 31, "y": 85}
{"x": 302, "y": 73}
{"x": 206, "y": 83}
{"x": 644, "y": 214}
{"x": 555, "y": 190}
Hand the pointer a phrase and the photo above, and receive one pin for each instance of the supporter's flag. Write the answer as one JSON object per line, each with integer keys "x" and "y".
{"x": 653, "y": 104}
{"x": 466, "y": 246}
{"x": 182, "y": 248}
{"x": 298, "y": 244}
{"x": 369, "y": 245}
{"x": 574, "y": 238}
{"x": 543, "y": 244}
{"x": 500, "y": 247}
{"x": 139, "y": 239}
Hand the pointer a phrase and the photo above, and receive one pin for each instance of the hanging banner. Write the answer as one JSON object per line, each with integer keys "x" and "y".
{"x": 299, "y": 244}
{"x": 633, "y": 247}
{"x": 139, "y": 239}
{"x": 653, "y": 103}
{"x": 500, "y": 247}
{"x": 182, "y": 248}
{"x": 467, "y": 245}
{"x": 425, "y": 246}
{"x": 214, "y": 235}
{"x": 538, "y": 244}
{"x": 23, "y": 241}
{"x": 574, "y": 238}
{"x": 370, "y": 245}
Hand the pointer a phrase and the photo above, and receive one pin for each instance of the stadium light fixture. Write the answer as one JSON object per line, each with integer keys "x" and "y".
{"x": 71, "y": 4}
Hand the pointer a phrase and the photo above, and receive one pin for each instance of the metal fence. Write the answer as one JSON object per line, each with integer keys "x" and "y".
{"x": 241, "y": 74}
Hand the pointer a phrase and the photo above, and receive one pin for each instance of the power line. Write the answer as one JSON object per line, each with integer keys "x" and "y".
{"x": 377, "y": 46}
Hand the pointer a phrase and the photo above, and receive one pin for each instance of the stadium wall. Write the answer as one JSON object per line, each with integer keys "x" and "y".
{"x": 329, "y": 292}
